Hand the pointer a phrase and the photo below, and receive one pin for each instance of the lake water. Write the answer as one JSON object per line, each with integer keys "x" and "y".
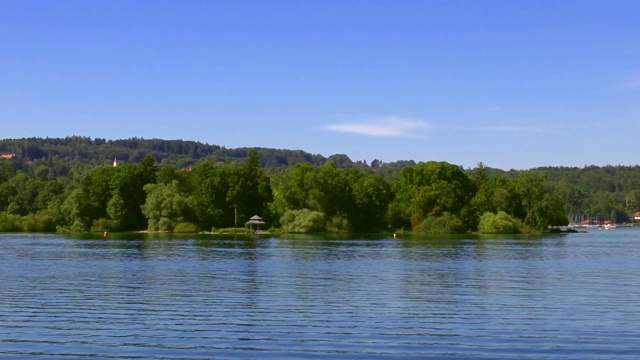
{"x": 574, "y": 296}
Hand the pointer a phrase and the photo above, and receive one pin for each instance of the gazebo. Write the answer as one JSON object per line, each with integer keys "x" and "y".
{"x": 255, "y": 220}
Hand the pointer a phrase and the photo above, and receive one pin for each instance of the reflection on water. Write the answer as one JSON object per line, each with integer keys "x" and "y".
{"x": 174, "y": 297}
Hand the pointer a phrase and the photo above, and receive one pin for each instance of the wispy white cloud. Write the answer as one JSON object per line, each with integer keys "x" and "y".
{"x": 383, "y": 127}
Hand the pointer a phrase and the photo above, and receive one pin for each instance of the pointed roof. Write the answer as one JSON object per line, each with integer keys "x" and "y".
{"x": 255, "y": 219}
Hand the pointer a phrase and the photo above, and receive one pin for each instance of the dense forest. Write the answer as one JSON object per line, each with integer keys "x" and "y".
{"x": 179, "y": 153}
{"x": 78, "y": 184}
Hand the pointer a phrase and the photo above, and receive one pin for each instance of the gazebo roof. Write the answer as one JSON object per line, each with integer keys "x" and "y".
{"x": 255, "y": 219}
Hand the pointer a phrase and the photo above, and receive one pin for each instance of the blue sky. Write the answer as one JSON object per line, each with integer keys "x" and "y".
{"x": 513, "y": 84}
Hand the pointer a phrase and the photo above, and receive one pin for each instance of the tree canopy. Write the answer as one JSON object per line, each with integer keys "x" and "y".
{"x": 72, "y": 184}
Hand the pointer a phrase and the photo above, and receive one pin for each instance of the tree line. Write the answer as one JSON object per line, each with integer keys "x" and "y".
{"x": 432, "y": 197}
{"x": 179, "y": 153}
{"x": 315, "y": 194}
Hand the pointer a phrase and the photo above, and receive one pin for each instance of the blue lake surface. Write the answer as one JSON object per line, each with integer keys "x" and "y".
{"x": 141, "y": 296}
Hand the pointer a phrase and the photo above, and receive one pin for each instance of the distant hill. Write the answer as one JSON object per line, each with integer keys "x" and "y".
{"x": 183, "y": 153}
{"x": 175, "y": 152}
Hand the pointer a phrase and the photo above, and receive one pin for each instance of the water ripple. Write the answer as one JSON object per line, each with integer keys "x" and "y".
{"x": 568, "y": 297}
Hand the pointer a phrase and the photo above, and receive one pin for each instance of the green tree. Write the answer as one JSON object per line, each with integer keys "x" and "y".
{"x": 505, "y": 197}
{"x": 500, "y": 223}
{"x": 148, "y": 171}
{"x": 482, "y": 200}
{"x": 249, "y": 189}
{"x": 76, "y": 211}
{"x": 127, "y": 198}
{"x": 297, "y": 189}
{"x": 6, "y": 170}
{"x": 169, "y": 173}
{"x": 335, "y": 196}
{"x": 51, "y": 190}
{"x": 431, "y": 189}
{"x": 542, "y": 208}
{"x": 167, "y": 206}
{"x": 9, "y": 222}
{"x": 303, "y": 221}
{"x": 372, "y": 195}
{"x": 210, "y": 192}
{"x": 7, "y": 192}
{"x": 444, "y": 224}
{"x": 100, "y": 188}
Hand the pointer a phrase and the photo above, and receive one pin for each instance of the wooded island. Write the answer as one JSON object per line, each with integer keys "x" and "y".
{"x": 79, "y": 184}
